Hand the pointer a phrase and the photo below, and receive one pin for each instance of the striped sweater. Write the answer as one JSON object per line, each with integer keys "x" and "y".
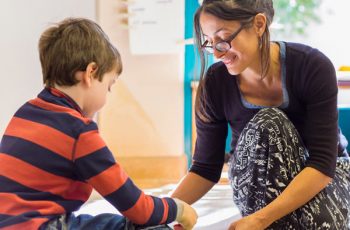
{"x": 51, "y": 157}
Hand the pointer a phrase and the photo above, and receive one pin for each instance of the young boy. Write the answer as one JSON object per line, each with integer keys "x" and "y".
{"x": 51, "y": 154}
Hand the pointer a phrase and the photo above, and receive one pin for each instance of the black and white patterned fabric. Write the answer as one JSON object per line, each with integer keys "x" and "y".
{"x": 269, "y": 154}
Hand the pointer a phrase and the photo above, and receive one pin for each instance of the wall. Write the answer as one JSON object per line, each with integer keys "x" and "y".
{"x": 153, "y": 84}
{"x": 144, "y": 113}
{"x": 21, "y": 24}
{"x": 143, "y": 120}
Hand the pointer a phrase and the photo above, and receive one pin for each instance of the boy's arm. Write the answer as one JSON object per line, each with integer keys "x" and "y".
{"x": 96, "y": 165}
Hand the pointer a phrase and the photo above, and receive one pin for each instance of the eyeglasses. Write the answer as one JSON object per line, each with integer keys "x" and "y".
{"x": 222, "y": 46}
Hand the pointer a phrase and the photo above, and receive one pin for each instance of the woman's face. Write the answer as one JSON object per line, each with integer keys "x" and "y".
{"x": 244, "y": 51}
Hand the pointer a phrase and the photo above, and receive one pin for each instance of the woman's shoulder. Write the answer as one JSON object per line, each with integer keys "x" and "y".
{"x": 304, "y": 52}
{"x": 217, "y": 76}
{"x": 217, "y": 69}
{"x": 308, "y": 68}
{"x": 302, "y": 59}
{"x": 219, "y": 85}
{"x": 298, "y": 46}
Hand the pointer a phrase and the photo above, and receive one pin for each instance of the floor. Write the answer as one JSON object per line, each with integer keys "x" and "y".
{"x": 215, "y": 210}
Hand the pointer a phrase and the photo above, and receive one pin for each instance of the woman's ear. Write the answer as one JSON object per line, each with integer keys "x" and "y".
{"x": 89, "y": 74}
{"x": 260, "y": 24}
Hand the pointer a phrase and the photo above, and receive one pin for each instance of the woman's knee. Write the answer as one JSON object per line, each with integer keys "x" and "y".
{"x": 267, "y": 115}
{"x": 274, "y": 124}
{"x": 324, "y": 211}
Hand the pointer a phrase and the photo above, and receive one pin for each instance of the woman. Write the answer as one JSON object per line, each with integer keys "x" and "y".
{"x": 280, "y": 99}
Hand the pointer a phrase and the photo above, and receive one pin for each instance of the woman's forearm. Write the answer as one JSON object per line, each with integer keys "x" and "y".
{"x": 192, "y": 187}
{"x": 306, "y": 185}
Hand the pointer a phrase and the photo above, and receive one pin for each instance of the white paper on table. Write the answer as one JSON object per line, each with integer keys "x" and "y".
{"x": 218, "y": 219}
{"x": 156, "y": 26}
{"x": 216, "y": 210}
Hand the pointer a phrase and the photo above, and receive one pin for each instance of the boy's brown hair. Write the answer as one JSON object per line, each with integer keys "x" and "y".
{"x": 69, "y": 46}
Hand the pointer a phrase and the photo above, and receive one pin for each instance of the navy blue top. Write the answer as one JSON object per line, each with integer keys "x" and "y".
{"x": 309, "y": 100}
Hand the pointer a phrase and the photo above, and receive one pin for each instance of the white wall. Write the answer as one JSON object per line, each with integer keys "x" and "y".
{"x": 144, "y": 113}
{"x": 21, "y": 23}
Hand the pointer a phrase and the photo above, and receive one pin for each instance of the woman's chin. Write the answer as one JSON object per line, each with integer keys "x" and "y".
{"x": 232, "y": 71}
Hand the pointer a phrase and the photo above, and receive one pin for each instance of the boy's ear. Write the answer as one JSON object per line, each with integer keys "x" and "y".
{"x": 89, "y": 74}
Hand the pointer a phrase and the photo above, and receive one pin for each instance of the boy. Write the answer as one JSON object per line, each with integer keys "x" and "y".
{"x": 51, "y": 154}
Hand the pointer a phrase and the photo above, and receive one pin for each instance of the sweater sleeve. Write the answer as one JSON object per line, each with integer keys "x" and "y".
{"x": 321, "y": 121}
{"x": 209, "y": 150}
{"x": 96, "y": 165}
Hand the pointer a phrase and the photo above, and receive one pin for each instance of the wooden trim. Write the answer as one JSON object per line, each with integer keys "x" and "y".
{"x": 154, "y": 171}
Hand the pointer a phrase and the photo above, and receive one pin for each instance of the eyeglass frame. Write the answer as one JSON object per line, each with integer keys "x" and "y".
{"x": 227, "y": 41}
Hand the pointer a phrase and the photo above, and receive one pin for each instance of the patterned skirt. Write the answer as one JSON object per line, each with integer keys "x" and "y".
{"x": 269, "y": 154}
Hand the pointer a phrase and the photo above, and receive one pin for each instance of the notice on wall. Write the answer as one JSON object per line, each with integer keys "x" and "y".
{"x": 156, "y": 26}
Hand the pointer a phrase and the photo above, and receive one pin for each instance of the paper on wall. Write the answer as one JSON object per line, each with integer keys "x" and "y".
{"x": 156, "y": 26}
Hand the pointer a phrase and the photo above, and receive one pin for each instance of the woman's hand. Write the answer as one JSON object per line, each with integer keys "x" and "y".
{"x": 250, "y": 222}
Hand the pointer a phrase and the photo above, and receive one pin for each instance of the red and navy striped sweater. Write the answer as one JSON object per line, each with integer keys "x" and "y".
{"x": 51, "y": 157}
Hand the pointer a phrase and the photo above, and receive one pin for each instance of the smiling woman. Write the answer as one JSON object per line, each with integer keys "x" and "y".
{"x": 280, "y": 100}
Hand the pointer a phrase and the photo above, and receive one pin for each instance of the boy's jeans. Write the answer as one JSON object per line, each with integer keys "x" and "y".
{"x": 106, "y": 221}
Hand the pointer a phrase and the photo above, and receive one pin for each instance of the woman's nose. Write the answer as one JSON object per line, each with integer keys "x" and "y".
{"x": 218, "y": 54}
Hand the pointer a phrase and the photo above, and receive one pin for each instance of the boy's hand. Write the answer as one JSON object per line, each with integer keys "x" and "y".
{"x": 186, "y": 215}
